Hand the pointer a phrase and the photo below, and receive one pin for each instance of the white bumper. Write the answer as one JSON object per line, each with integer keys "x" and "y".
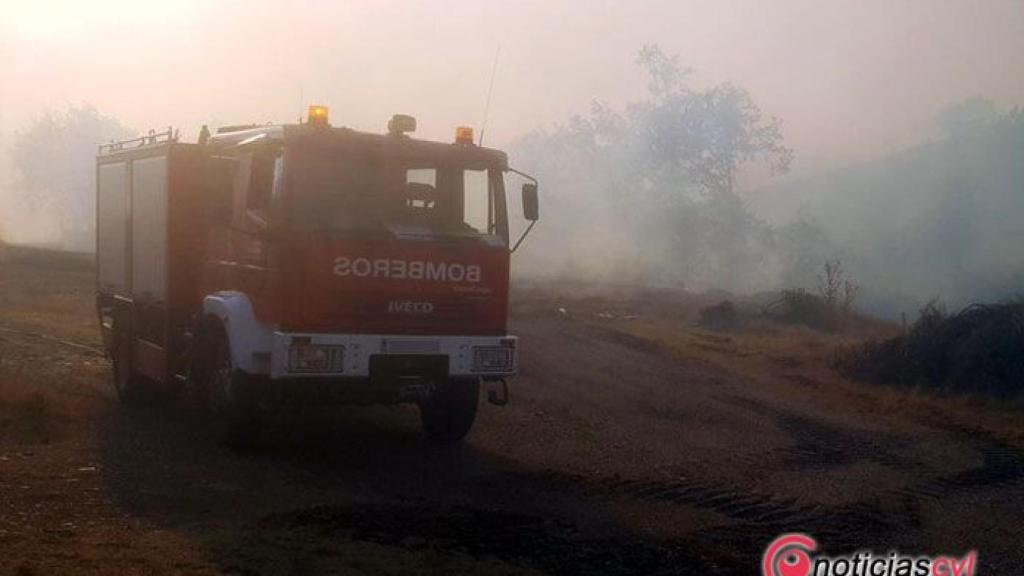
{"x": 358, "y": 348}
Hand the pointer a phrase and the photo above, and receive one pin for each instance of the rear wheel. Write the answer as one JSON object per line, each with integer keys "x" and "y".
{"x": 127, "y": 384}
{"x": 448, "y": 413}
{"x": 222, "y": 392}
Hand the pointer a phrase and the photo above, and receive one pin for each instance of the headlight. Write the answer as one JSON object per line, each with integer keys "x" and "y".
{"x": 492, "y": 358}
{"x": 314, "y": 358}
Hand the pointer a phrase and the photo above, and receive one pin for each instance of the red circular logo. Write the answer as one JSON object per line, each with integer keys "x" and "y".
{"x": 788, "y": 555}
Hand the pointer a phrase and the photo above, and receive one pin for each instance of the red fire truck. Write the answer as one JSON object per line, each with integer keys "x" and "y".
{"x": 275, "y": 264}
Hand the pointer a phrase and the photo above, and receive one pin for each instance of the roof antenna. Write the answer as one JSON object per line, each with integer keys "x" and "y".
{"x": 490, "y": 90}
{"x": 300, "y": 103}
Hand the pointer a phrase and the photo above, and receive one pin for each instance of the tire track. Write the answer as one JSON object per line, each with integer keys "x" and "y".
{"x": 1002, "y": 466}
{"x": 732, "y": 502}
{"x": 818, "y": 444}
{"x": 760, "y": 516}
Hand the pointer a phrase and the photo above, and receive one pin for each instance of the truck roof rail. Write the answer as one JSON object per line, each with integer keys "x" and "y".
{"x": 153, "y": 138}
{"x": 237, "y": 128}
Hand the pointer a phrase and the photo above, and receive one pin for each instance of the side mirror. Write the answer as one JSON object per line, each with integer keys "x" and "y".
{"x": 531, "y": 204}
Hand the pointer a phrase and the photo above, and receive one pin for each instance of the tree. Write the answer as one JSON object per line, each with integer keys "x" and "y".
{"x": 54, "y": 169}
{"x": 703, "y": 136}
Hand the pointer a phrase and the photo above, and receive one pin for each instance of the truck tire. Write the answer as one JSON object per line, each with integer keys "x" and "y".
{"x": 448, "y": 414}
{"x": 221, "y": 391}
{"x": 128, "y": 385}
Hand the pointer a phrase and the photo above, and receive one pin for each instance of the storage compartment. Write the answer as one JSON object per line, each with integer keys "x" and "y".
{"x": 149, "y": 229}
{"x": 112, "y": 227}
{"x": 149, "y": 246}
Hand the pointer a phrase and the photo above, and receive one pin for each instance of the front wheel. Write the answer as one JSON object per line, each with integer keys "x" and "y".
{"x": 222, "y": 392}
{"x": 448, "y": 413}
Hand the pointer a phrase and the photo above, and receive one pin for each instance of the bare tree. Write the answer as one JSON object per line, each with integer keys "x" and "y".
{"x": 850, "y": 292}
{"x": 835, "y": 289}
{"x": 830, "y": 283}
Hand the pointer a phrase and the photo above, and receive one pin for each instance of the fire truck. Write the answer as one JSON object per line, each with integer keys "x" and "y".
{"x": 270, "y": 265}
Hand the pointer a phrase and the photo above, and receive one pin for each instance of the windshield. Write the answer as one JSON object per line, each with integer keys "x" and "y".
{"x": 368, "y": 190}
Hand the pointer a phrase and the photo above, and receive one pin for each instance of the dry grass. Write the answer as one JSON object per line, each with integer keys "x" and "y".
{"x": 44, "y": 384}
{"x": 796, "y": 360}
{"x": 48, "y": 292}
{"x": 25, "y": 414}
{"x": 781, "y": 359}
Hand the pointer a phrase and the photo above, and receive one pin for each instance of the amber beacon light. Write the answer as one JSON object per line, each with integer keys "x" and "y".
{"x": 463, "y": 135}
{"x": 317, "y": 115}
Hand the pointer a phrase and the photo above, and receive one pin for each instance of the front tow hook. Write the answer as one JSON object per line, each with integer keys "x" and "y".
{"x": 498, "y": 392}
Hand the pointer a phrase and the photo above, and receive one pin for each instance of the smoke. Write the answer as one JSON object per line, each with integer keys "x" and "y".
{"x": 47, "y": 192}
{"x": 646, "y": 194}
{"x": 658, "y": 184}
{"x": 936, "y": 221}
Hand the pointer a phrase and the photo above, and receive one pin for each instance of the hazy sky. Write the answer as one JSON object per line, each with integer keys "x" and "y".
{"x": 849, "y": 79}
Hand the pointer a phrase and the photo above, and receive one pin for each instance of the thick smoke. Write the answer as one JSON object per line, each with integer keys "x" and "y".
{"x": 646, "y": 195}
{"x": 940, "y": 220}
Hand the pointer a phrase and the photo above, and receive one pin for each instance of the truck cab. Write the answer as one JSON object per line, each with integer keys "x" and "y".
{"x": 308, "y": 263}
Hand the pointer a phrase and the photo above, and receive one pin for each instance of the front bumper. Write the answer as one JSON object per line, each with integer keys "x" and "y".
{"x": 357, "y": 349}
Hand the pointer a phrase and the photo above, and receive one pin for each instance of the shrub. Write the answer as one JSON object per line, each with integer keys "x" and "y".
{"x": 977, "y": 350}
{"x": 829, "y": 309}
{"x": 798, "y": 306}
{"x": 721, "y": 316}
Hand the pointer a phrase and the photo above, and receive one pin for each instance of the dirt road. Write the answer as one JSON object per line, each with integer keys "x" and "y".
{"x": 635, "y": 444}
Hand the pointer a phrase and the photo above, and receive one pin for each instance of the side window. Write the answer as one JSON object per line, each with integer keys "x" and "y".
{"x": 261, "y": 185}
{"x": 278, "y": 176}
{"x": 421, "y": 188}
{"x": 477, "y": 204}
